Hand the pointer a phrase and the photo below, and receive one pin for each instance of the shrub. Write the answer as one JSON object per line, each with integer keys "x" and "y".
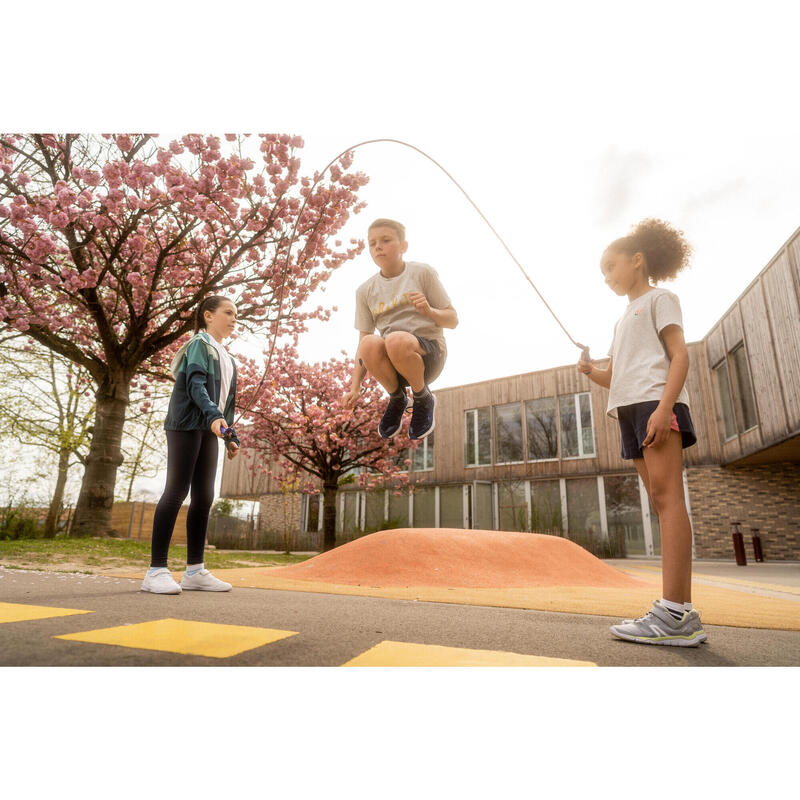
{"x": 20, "y": 523}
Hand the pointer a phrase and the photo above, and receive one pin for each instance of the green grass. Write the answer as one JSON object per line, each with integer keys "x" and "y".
{"x": 98, "y": 555}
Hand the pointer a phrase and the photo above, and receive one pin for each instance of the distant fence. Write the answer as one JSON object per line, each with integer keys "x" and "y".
{"x": 135, "y": 521}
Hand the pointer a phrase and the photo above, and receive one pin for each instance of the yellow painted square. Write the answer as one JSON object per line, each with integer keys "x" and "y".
{"x": 19, "y": 612}
{"x": 406, "y": 654}
{"x": 184, "y": 636}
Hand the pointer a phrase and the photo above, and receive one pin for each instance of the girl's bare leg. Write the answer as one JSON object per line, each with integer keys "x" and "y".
{"x": 663, "y": 468}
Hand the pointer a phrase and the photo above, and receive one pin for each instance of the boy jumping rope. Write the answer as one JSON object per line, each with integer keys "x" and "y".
{"x": 646, "y": 373}
{"x": 408, "y": 305}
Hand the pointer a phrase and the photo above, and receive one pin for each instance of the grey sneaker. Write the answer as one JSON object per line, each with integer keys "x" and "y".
{"x": 658, "y": 626}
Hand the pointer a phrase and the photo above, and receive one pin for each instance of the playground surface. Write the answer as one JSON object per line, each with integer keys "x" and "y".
{"x": 411, "y": 597}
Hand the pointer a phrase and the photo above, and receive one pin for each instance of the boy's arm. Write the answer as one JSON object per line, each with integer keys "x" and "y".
{"x": 658, "y": 426}
{"x": 359, "y": 371}
{"x": 602, "y": 377}
{"x": 441, "y": 317}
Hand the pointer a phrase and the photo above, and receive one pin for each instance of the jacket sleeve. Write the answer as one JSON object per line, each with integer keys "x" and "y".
{"x": 196, "y": 378}
{"x": 230, "y": 406}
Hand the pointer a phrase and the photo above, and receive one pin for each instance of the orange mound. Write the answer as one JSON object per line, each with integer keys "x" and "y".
{"x": 458, "y": 558}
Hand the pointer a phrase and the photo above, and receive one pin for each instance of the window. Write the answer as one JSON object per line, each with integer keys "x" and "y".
{"x": 478, "y": 437}
{"x": 725, "y": 399}
{"x": 508, "y": 433}
{"x": 577, "y": 435}
{"x": 540, "y": 419}
{"x": 583, "y": 512}
{"x": 735, "y": 393}
{"x": 546, "y": 507}
{"x": 745, "y": 402}
{"x": 312, "y": 511}
{"x": 374, "y": 513}
{"x": 422, "y": 455}
{"x": 624, "y": 515}
{"x": 351, "y": 517}
{"x": 398, "y": 509}
{"x": 451, "y": 506}
{"x": 512, "y": 505}
{"x": 425, "y": 507}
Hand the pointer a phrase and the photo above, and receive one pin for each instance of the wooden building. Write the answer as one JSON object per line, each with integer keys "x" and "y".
{"x": 537, "y": 451}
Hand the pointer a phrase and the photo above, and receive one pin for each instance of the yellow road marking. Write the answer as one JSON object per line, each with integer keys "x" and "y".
{"x": 184, "y": 636}
{"x": 19, "y": 612}
{"x": 406, "y": 654}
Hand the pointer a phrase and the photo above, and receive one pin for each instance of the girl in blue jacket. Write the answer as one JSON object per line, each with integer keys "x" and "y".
{"x": 203, "y": 400}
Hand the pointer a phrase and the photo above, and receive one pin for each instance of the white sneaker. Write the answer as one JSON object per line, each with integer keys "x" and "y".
{"x": 160, "y": 582}
{"x": 204, "y": 581}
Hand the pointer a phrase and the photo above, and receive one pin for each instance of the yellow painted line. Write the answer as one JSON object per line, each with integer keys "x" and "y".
{"x": 774, "y": 587}
{"x": 406, "y": 654}
{"x": 717, "y": 605}
{"x": 184, "y": 636}
{"x": 19, "y": 612}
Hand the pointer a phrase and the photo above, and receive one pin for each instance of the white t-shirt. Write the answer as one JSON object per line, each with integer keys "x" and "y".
{"x": 225, "y": 371}
{"x": 383, "y": 303}
{"x": 639, "y": 360}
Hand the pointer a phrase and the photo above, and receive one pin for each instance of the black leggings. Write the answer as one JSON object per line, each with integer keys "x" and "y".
{"x": 191, "y": 463}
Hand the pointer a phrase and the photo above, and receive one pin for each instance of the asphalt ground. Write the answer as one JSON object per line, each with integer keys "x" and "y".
{"x": 331, "y": 629}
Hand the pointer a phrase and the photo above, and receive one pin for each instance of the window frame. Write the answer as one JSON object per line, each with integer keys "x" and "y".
{"x": 475, "y": 429}
{"x": 579, "y": 427}
{"x": 425, "y": 450}
{"x": 734, "y": 380}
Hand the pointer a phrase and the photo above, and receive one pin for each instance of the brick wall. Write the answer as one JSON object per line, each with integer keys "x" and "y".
{"x": 280, "y": 512}
{"x": 765, "y": 497}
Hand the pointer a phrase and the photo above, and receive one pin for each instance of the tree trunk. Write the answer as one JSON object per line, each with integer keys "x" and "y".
{"x": 329, "y": 491}
{"x": 93, "y": 509}
{"x": 54, "y": 512}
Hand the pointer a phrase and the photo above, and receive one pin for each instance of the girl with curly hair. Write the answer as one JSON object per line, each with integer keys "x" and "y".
{"x": 645, "y": 377}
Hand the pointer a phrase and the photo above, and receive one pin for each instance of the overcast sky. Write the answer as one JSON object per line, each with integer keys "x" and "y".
{"x": 565, "y": 124}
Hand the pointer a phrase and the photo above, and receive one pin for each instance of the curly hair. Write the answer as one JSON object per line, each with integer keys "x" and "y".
{"x": 665, "y": 249}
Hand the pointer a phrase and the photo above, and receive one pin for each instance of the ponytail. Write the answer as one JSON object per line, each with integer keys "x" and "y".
{"x": 210, "y": 303}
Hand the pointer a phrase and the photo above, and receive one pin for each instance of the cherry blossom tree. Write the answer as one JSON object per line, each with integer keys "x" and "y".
{"x": 107, "y": 244}
{"x": 307, "y": 439}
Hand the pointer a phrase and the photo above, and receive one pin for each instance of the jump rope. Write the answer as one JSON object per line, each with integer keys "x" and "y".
{"x": 227, "y": 433}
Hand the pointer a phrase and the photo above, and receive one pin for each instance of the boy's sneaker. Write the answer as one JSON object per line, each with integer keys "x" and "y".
{"x": 658, "y": 626}
{"x": 160, "y": 582}
{"x": 422, "y": 417}
{"x": 392, "y": 419}
{"x": 204, "y": 581}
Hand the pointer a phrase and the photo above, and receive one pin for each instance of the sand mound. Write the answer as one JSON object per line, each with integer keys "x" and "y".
{"x": 459, "y": 558}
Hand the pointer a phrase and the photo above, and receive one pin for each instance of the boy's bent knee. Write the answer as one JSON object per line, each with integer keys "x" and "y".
{"x": 371, "y": 346}
{"x": 401, "y": 343}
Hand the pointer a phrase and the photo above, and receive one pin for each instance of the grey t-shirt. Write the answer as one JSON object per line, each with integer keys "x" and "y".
{"x": 383, "y": 303}
{"x": 640, "y": 362}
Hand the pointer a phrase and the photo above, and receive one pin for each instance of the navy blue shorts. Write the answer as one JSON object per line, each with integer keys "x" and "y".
{"x": 633, "y": 426}
{"x": 433, "y": 360}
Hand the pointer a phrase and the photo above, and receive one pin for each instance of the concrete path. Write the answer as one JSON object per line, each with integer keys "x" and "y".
{"x": 264, "y": 627}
